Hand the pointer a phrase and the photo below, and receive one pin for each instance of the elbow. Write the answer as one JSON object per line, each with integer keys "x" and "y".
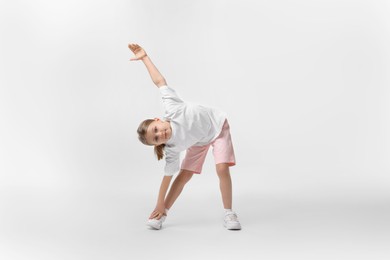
{"x": 160, "y": 82}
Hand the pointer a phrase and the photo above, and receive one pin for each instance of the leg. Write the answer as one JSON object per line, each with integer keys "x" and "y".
{"x": 177, "y": 187}
{"x": 225, "y": 184}
{"x": 193, "y": 161}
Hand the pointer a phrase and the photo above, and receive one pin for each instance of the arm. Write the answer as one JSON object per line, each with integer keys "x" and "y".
{"x": 156, "y": 76}
{"x": 140, "y": 54}
{"x": 159, "y": 211}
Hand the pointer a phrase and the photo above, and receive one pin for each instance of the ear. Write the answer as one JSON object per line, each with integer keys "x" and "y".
{"x": 156, "y": 119}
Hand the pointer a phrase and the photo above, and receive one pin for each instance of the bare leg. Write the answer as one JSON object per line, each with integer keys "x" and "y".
{"x": 225, "y": 184}
{"x": 177, "y": 187}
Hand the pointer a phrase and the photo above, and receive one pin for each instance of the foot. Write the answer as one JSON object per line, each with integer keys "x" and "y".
{"x": 156, "y": 223}
{"x": 231, "y": 221}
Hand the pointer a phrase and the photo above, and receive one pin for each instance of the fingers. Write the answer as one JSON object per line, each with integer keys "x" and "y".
{"x": 156, "y": 214}
{"x": 134, "y": 47}
{"x": 153, "y": 214}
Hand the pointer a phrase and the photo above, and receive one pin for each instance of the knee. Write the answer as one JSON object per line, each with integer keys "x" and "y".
{"x": 223, "y": 170}
{"x": 184, "y": 176}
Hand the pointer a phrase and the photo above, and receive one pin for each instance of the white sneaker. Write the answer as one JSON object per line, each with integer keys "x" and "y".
{"x": 156, "y": 223}
{"x": 231, "y": 221}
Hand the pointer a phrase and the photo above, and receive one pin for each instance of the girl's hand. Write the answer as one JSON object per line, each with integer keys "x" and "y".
{"x": 158, "y": 212}
{"x": 138, "y": 51}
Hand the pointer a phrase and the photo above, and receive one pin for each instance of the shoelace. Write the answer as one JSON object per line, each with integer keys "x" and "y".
{"x": 231, "y": 216}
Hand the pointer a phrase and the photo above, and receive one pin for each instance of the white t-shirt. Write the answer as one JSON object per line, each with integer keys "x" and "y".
{"x": 192, "y": 125}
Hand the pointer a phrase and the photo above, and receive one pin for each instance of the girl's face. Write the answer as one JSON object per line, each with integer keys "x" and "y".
{"x": 159, "y": 132}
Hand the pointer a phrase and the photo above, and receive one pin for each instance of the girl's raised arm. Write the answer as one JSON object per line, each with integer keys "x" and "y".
{"x": 140, "y": 54}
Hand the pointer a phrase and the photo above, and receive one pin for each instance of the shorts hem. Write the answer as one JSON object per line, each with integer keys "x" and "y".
{"x": 229, "y": 163}
{"x": 195, "y": 172}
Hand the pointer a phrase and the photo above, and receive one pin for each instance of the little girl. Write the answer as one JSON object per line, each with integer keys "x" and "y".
{"x": 189, "y": 127}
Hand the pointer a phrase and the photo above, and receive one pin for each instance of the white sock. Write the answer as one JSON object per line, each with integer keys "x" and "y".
{"x": 228, "y": 210}
{"x": 166, "y": 211}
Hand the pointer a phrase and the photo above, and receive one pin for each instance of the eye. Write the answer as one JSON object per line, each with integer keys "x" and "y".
{"x": 155, "y": 129}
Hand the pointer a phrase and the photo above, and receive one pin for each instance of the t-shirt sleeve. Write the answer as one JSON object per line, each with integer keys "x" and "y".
{"x": 170, "y": 99}
{"x": 172, "y": 165}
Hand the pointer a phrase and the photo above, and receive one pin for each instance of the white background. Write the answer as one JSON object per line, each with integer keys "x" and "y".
{"x": 306, "y": 88}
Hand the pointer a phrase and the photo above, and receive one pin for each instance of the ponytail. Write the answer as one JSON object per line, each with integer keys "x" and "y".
{"x": 143, "y": 127}
{"x": 159, "y": 151}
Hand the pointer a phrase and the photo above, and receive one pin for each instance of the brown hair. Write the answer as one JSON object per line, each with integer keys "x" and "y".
{"x": 142, "y": 128}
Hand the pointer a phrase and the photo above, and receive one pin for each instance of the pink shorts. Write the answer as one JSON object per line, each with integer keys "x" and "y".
{"x": 222, "y": 150}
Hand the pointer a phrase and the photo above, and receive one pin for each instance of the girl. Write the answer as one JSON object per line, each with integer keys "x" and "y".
{"x": 187, "y": 127}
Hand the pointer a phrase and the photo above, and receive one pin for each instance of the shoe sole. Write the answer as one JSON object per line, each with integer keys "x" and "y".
{"x": 232, "y": 227}
{"x": 153, "y": 226}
